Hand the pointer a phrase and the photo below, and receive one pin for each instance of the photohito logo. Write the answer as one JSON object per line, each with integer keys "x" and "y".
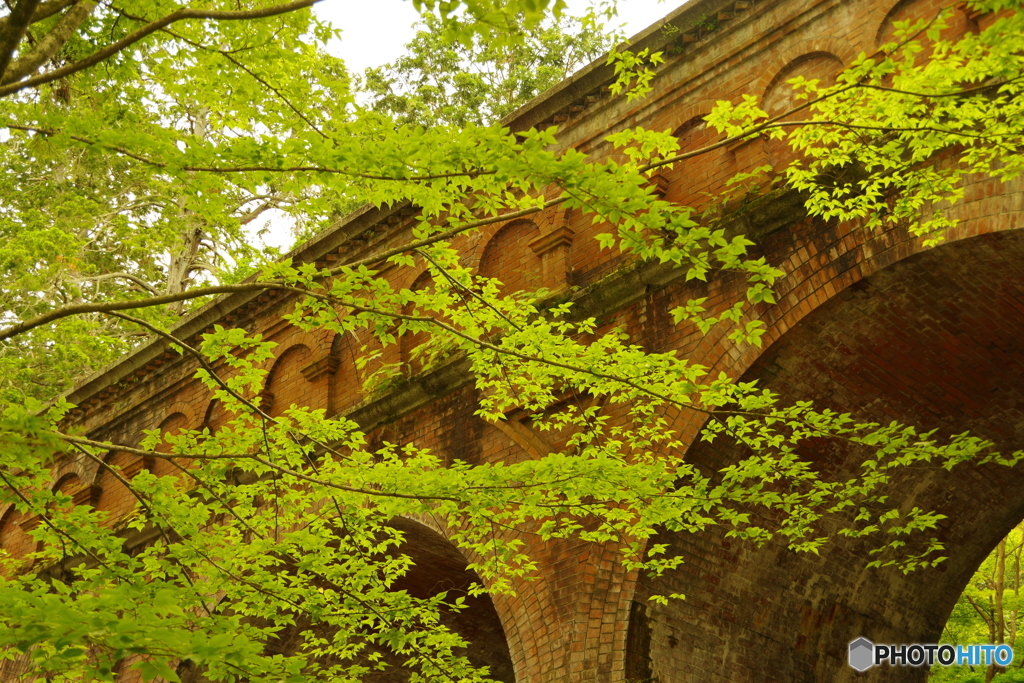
{"x": 864, "y": 654}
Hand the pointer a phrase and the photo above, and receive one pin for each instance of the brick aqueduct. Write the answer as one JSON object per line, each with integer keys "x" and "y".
{"x": 866, "y": 322}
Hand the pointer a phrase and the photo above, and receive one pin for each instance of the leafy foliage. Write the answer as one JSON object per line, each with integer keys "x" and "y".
{"x": 276, "y": 525}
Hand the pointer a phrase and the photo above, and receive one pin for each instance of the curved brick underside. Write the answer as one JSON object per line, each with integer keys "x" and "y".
{"x": 936, "y": 340}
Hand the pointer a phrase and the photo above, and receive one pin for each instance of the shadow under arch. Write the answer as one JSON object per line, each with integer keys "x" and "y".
{"x": 936, "y": 341}
{"x": 438, "y": 566}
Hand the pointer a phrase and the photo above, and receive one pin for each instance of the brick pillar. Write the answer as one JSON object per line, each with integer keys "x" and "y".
{"x": 553, "y": 251}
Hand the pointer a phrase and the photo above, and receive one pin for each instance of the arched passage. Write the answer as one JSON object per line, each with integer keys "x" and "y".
{"x": 935, "y": 340}
{"x": 437, "y": 567}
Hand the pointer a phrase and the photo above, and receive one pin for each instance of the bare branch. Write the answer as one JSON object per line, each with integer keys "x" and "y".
{"x": 53, "y": 41}
{"x": 986, "y": 617}
{"x": 13, "y": 30}
{"x": 152, "y": 27}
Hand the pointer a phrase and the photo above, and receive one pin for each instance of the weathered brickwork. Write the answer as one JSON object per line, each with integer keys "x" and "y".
{"x": 865, "y": 322}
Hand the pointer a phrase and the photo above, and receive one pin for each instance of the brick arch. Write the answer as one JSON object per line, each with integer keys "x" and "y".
{"x": 83, "y": 468}
{"x": 779, "y": 96}
{"x": 13, "y": 538}
{"x": 179, "y": 417}
{"x": 934, "y": 339}
{"x": 438, "y": 566}
{"x": 411, "y": 362}
{"x": 285, "y": 384}
{"x": 215, "y": 415}
{"x": 114, "y": 497}
{"x": 817, "y": 64}
{"x": 900, "y": 11}
{"x": 684, "y": 114}
{"x": 685, "y": 129}
{"x": 187, "y": 412}
{"x": 509, "y": 257}
{"x": 961, "y": 21}
{"x": 700, "y": 176}
{"x": 73, "y": 485}
{"x": 820, "y": 261}
{"x": 14, "y": 525}
{"x": 773, "y": 70}
{"x": 67, "y": 483}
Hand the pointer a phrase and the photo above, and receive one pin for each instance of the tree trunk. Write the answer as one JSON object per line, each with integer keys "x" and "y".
{"x": 998, "y": 618}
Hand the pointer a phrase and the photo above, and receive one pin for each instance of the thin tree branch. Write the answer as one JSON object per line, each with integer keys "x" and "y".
{"x": 124, "y": 276}
{"x": 77, "y": 309}
{"x": 985, "y": 617}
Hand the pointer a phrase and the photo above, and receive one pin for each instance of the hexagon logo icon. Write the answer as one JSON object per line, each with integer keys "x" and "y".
{"x": 862, "y": 654}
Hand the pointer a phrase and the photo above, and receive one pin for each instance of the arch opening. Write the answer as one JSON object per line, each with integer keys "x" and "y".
{"x": 936, "y": 341}
{"x": 437, "y": 567}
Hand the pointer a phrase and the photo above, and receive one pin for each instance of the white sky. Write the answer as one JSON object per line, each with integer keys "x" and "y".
{"x": 375, "y": 31}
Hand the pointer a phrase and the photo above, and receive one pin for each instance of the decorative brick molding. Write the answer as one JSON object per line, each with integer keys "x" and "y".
{"x": 553, "y": 250}
{"x": 88, "y": 495}
{"x": 136, "y": 465}
{"x": 266, "y": 401}
{"x": 659, "y": 183}
{"x": 327, "y": 365}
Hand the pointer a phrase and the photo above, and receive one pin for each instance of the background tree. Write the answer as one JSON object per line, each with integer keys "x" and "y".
{"x": 989, "y": 611}
{"x": 96, "y": 209}
{"x": 441, "y": 82}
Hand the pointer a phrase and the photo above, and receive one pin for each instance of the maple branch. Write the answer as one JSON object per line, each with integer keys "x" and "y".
{"x": 224, "y": 170}
{"x": 77, "y": 309}
{"x": 250, "y": 456}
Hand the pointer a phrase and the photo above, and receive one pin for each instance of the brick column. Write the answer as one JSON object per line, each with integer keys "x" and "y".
{"x": 553, "y": 251}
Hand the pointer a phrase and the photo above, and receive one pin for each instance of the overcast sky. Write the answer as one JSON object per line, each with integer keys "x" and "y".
{"x": 375, "y": 31}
